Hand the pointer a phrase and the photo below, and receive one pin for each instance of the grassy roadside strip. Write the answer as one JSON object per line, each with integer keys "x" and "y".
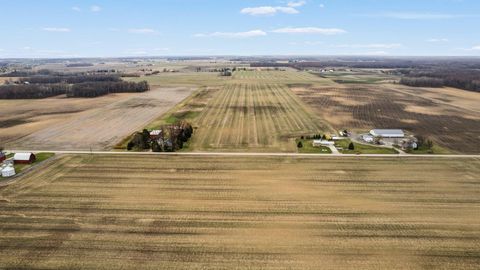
{"x": 308, "y": 148}
{"x": 40, "y": 157}
{"x": 362, "y": 148}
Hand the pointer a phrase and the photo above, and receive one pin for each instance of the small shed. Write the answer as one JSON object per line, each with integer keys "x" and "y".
{"x": 24, "y": 158}
{"x": 8, "y": 171}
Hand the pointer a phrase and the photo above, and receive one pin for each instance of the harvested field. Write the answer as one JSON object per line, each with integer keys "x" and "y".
{"x": 250, "y": 111}
{"x": 253, "y": 117}
{"x": 82, "y": 124}
{"x": 452, "y": 122}
{"x": 145, "y": 212}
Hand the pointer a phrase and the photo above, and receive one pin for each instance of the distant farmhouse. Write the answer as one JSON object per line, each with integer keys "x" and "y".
{"x": 387, "y": 133}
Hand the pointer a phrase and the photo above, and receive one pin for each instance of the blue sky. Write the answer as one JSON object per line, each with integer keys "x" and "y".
{"x": 54, "y": 28}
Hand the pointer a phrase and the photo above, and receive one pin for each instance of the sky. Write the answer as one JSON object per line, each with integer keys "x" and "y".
{"x": 113, "y": 28}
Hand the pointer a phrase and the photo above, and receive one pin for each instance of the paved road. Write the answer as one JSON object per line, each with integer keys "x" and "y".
{"x": 245, "y": 154}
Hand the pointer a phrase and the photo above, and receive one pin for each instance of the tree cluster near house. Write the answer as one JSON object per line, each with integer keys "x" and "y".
{"x": 168, "y": 138}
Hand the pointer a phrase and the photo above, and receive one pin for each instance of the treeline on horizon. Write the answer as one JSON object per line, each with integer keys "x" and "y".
{"x": 463, "y": 74}
{"x": 467, "y": 79}
{"x": 46, "y": 84}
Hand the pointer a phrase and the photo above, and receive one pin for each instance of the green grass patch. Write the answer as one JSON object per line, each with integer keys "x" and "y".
{"x": 40, "y": 157}
{"x": 435, "y": 150}
{"x": 363, "y": 148}
{"x": 308, "y": 148}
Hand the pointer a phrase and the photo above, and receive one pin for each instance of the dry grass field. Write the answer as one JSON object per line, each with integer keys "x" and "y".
{"x": 80, "y": 124}
{"x": 448, "y": 116}
{"x": 153, "y": 212}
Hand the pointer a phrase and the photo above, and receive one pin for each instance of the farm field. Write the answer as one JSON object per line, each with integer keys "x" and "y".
{"x": 448, "y": 116}
{"x": 81, "y": 124}
{"x": 151, "y": 212}
{"x": 253, "y": 113}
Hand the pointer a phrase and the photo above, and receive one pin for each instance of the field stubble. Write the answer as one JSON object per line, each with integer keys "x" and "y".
{"x": 140, "y": 212}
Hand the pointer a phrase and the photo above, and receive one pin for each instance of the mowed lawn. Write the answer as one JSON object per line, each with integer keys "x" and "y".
{"x": 154, "y": 212}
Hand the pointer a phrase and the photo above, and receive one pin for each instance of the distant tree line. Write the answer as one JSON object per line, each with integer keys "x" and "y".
{"x": 71, "y": 79}
{"x": 467, "y": 79}
{"x": 422, "y": 82}
{"x": 32, "y": 91}
{"x": 88, "y": 89}
{"x": 79, "y": 65}
{"x": 95, "y": 89}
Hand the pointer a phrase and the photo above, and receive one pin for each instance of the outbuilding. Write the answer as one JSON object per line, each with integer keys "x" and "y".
{"x": 387, "y": 133}
{"x": 317, "y": 143}
{"x": 8, "y": 171}
{"x": 24, "y": 158}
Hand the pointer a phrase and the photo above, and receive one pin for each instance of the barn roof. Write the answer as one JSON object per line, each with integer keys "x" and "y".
{"x": 22, "y": 156}
{"x": 388, "y": 131}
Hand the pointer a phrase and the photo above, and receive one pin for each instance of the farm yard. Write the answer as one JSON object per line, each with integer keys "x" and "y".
{"x": 452, "y": 121}
{"x": 150, "y": 212}
{"x": 82, "y": 124}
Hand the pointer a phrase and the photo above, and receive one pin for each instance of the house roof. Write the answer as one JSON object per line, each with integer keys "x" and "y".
{"x": 22, "y": 156}
{"x": 155, "y": 132}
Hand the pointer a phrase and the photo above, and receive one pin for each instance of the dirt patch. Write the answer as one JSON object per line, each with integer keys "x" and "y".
{"x": 187, "y": 212}
{"x": 90, "y": 123}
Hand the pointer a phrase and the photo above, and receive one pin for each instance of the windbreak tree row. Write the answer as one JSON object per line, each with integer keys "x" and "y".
{"x": 88, "y": 89}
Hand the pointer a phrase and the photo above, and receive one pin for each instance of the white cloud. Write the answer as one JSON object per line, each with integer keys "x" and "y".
{"x": 268, "y": 10}
{"x": 310, "y": 30}
{"x": 95, "y": 8}
{"x": 77, "y": 9}
{"x": 142, "y": 31}
{"x": 371, "y": 46}
{"x": 437, "y": 40}
{"x": 476, "y": 48}
{"x": 56, "y": 29}
{"x": 296, "y": 4}
{"x": 321, "y": 5}
{"x": 248, "y": 34}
